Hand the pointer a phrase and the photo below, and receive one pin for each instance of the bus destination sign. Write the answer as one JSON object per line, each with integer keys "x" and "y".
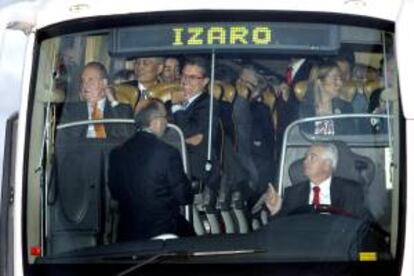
{"x": 224, "y": 36}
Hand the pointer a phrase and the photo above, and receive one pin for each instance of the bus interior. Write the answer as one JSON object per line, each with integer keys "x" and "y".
{"x": 71, "y": 216}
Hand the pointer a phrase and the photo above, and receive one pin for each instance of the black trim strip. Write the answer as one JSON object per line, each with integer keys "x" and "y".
{"x": 6, "y": 253}
{"x": 115, "y": 21}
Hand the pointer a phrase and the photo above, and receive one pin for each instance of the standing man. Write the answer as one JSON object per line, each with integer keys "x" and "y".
{"x": 147, "y": 179}
{"x": 255, "y": 132}
{"x": 192, "y": 116}
{"x": 98, "y": 103}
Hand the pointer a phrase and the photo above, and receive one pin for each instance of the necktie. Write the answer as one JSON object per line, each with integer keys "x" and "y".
{"x": 185, "y": 104}
{"x": 144, "y": 94}
{"x": 316, "y": 199}
{"x": 289, "y": 75}
{"x": 99, "y": 128}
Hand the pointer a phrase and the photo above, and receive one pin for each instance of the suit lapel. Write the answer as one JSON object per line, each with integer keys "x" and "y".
{"x": 107, "y": 113}
{"x": 336, "y": 192}
{"x": 83, "y": 115}
{"x": 194, "y": 103}
{"x": 303, "y": 194}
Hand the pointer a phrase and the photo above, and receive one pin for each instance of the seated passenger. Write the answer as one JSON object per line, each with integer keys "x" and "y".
{"x": 147, "y": 71}
{"x": 322, "y": 188}
{"x": 322, "y": 99}
{"x": 359, "y": 100}
{"x": 147, "y": 179}
{"x": 98, "y": 103}
{"x": 171, "y": 70}
{"x": 192, "y": 116}
{"x": 379, "y": 97}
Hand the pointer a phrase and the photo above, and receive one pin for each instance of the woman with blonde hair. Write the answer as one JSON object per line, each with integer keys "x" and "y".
{"x": 322, "y": 98}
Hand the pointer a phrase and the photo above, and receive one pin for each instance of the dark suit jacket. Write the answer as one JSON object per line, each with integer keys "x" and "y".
{"x": 262, "y": 144}
{"x": 346, "y": 195}
{"x": 339, "y": 106}
{"x": 193, "y": 120}
{"x": 147, "y": 179}
{"x": 78, "y": 111}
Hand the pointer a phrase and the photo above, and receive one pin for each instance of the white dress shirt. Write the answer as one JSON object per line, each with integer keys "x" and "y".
{"x": 143, "y": 91}
{"x": 296, "y": 66}
{"x": 178, "y": 107}
{"x": 325, "y": 192}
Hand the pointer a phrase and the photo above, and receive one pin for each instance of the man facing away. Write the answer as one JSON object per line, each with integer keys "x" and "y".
{"x": 321, "y": 188}
{"x": 147, "y": 179}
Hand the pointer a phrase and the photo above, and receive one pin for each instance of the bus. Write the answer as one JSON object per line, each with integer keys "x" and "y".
{"x": 286, "y": 84}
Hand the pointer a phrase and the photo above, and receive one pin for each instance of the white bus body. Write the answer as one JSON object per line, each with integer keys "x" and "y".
{"x": 19, "y": 23}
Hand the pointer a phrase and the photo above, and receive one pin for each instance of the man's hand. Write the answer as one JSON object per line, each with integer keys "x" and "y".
{"x": 109, "y": 93}
{"x": 282, "y": 91}
{"x": 194, "y": 140}
{"x": 272, "y": 200}
{"x": 177, "y": 97}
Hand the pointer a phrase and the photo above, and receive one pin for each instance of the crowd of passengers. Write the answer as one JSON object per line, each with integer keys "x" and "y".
{"x": 251, "y": 113}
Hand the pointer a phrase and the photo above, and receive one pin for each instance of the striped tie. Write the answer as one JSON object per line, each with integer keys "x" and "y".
{"x": 99, "y": 128}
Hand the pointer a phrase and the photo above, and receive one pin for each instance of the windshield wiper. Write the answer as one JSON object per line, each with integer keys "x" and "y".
{"x": 185, "y": 254}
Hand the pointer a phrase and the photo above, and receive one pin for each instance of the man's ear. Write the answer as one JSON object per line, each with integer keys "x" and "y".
{"x": 205, "y": 82}
{"x": 105, "y": 81}
{"x": 160, "y": 68}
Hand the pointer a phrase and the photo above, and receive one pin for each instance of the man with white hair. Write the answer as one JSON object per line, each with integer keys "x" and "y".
{"x": 342, "y": 195}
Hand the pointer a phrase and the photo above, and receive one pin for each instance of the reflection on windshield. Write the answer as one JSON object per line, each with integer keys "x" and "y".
{"x": 257, "y": 145}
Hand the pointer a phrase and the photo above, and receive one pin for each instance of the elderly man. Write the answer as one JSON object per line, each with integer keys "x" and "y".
{"x": 147, "y": 179}
{"x": 147, "y": 71}
{"x": 321, "y": 188}
{"x": 98, "y": 103}
{"x": 192, "y": 116}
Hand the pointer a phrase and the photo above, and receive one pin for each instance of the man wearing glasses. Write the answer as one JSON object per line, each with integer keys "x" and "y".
{"x": 192, "y": 116}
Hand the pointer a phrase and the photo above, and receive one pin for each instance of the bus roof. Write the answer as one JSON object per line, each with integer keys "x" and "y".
{"x": 42, "y": 13}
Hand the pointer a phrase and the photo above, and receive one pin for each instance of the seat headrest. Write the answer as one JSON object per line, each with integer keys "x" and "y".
{"x": 269, "y": 99}
{"x": 217, "y": 90}
{"x": 300, "y": 90}
{"x": 229, "y": 92}
{"x": 127, "y": 94}
{"x": 243, "y": 90}
{"x": 163, "y": 91}
{"x": 350, "y": 166}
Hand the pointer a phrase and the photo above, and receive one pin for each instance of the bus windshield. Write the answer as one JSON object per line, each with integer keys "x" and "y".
{"x": 225, "y": 142}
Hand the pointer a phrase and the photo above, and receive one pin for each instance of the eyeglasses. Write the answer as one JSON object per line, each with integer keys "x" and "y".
{"x": 191, "y": 78}
{"x": 160, "y": 117}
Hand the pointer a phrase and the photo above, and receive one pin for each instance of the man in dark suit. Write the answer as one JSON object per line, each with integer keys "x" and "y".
{"x": 192, "y": 116}
{"x": 98, "y": 103}
{"x": 343, "y": 195}
{"x": 147, "y": 71}
{"x": 147, "y": 179}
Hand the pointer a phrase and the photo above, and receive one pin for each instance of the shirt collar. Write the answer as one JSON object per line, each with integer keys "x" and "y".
{"x": 141, "y": 87}
{"x": 193, "y": 98}
{"x": 100, "y": 104}
{"x": 296, "y": 65}
{"x": 325, "y": 191}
